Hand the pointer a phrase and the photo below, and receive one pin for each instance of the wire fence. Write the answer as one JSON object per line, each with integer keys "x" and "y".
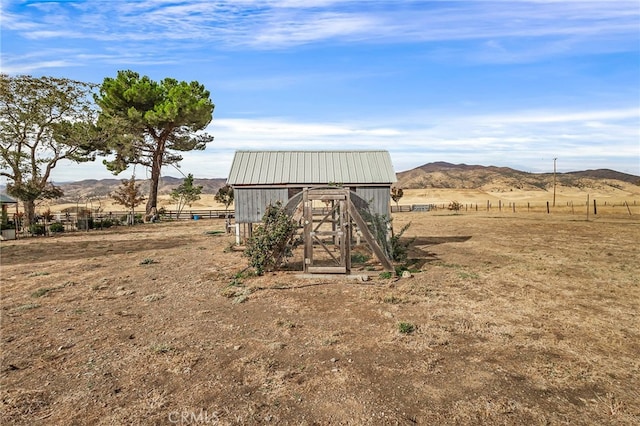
{"x": 85, "y": 220}
{"x": 590, "y": 207}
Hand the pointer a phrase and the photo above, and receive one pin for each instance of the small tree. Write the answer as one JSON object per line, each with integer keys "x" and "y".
{"x": 128, "y": 195}
{"x": 396, "y": 194}
{"x": 455, "y": 206}
{"x": 273, "y": 241}
{"x": 225, "y": 196}
{"x": 186, "y": 193}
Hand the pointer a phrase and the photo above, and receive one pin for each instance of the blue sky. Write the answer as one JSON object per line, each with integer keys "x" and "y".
{"x": 504, "y": 83}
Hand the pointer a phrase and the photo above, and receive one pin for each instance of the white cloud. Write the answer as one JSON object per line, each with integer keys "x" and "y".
{"x": 29, "y": 67}
{"x": 267, "y": 24}
{"x": 523, "y": 140}
{"x": 480, "y": 31}
{"x": 502, "y": 139}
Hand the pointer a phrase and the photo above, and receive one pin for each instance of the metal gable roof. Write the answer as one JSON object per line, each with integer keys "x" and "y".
{"x": 311, "y": 167}
{"x": 5, "y": 199}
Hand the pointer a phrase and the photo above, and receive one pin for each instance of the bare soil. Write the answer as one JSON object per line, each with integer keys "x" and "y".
{"x": 518, "y": 319}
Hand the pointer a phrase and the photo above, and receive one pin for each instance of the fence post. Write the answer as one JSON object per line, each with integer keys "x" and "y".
{"x": 587, "y": 207}
{"x": 548, "y": 207}
{"x": 595, "y": 209}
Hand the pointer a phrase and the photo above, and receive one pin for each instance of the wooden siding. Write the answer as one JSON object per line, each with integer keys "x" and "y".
{"x": 251, "y": 203}
{"x": 377, "y": 197}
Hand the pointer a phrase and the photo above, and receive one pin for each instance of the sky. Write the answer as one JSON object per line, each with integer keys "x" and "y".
{"x": 495, "y": 83}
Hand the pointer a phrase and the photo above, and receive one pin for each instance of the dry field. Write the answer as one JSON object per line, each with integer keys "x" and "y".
{"x": 568, "y": 201}
{"x": 518, "y": 319}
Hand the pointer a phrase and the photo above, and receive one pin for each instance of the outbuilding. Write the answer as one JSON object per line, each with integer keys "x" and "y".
{"x": 8, "y": 220}
{"x": 260, "y": 178}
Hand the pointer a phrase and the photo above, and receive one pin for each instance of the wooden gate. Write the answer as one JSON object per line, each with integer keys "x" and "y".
{"x": 328, "y": 217}
{"x": 326, "y": 230}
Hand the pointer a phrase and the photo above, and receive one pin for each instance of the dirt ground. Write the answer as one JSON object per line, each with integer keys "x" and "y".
{"x": 517, "y": 319}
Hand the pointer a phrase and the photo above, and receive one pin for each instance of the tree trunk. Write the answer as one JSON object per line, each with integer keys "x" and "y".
{"x": 153, "y": 185}
{"x": 29, "y": 213}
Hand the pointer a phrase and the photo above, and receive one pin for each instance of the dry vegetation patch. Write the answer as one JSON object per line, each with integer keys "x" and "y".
{"x": 506, "y": 320}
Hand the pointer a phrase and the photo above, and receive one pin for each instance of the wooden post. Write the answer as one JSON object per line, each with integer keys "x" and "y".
{"x": 628, "y": 209}
{"x": 514, "y": 207}
{"x": 554, "y": 182}
{"x": 488, "y": 205}
{"x": 595, "y": 209}
{"x": 308, "y": 227}
{"x": 548, "y": 207}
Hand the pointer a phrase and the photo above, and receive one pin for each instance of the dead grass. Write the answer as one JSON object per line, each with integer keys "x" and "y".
{"x": 517, "y": 319}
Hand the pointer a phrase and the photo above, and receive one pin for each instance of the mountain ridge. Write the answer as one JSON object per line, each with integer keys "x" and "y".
{"x": 492, "y": 178}
{"x": 438, "y": 174}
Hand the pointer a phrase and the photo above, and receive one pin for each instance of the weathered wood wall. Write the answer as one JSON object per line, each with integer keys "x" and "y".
{"x": 378, "y": 197}
{"x": 251, "y": 203}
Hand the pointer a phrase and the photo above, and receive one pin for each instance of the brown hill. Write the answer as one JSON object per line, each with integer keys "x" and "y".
{"x": 92, "y": 188}
{"x": 440, "y": 175}
{"x": 500, "y": 179}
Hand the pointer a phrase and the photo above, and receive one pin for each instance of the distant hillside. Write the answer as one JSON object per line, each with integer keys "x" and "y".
{"x": 432, "y": 175}
{"x": 102, "y": 188}
{"x": 497, "y": 179}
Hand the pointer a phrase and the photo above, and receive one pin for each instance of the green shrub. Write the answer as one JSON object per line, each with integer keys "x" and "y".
{"x": 137, "y": 219}
{"x": 273, "y": 241}
{"x": 8, "y": 225}
{"x": 399, "y": 247}
{"x": 406, "y": 328}
{"x": 56, "y": 227}
{"x": 359, "y": 257}
{"x": 396, "y": 248}
{"x": 37, "y": 229}
{"x": 4, "y": 221}
{"x": 104, "y": 223}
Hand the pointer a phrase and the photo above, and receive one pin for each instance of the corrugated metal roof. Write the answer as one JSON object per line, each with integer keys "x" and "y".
{"x": 6, "y": 199}
{"x": 311, "y": 167}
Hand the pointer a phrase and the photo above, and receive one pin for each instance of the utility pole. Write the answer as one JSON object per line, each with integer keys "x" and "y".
{"x": 554, "y": 181}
